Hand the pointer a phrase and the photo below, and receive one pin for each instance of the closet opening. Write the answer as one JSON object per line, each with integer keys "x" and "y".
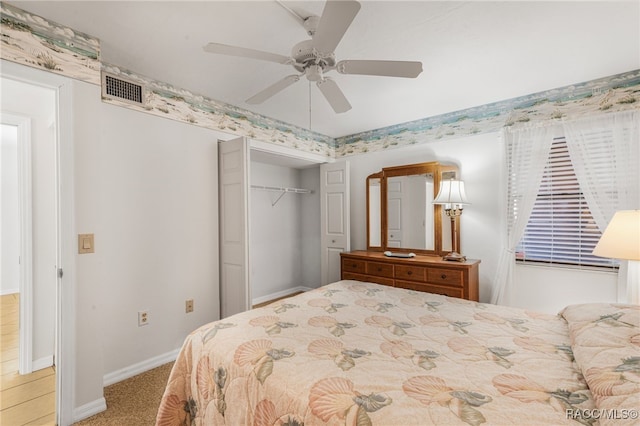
{"x": 284, "y": 226}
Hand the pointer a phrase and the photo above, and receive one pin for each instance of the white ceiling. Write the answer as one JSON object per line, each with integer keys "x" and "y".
{"x": 473, "y": 53}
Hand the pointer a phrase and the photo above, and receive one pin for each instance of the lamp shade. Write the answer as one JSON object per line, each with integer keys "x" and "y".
{"x": 621, "y": 239}
{"x": 451, "y": 192}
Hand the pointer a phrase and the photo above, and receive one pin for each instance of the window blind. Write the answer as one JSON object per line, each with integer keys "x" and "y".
{"x": 561, "y": 229}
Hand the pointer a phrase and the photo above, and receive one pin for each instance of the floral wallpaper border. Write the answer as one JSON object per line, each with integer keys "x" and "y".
{"x": 610, "y": 94}
{"x": 37, "y": 42}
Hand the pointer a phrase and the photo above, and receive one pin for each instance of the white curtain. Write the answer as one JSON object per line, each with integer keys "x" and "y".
{"x": 526, "y": 154}
{"x": 605, "y": 152}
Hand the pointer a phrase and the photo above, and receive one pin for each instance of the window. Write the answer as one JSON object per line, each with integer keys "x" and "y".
{"x": 561, "y": 229}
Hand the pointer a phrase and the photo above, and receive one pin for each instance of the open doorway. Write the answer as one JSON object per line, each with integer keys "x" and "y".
{"x": 29, "y": 252}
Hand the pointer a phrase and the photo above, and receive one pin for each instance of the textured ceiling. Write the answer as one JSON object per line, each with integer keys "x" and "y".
{"x": 473, "y": 53}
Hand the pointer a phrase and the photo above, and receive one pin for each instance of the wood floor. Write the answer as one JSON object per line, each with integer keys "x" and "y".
{"x": 24, "y": 400}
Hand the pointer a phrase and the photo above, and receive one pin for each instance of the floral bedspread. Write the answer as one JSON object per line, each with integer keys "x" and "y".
{"x": 359, "y": 353}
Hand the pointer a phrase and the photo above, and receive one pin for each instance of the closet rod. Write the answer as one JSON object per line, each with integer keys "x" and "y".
{"x": 282, "y": 189}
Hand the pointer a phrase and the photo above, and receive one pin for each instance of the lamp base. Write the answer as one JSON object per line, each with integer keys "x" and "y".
{"x": 455, "y": 257}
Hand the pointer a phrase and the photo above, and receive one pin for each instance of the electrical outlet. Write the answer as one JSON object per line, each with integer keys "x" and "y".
{"x": 143, "y": 318}
{"x": 188, "y": 305}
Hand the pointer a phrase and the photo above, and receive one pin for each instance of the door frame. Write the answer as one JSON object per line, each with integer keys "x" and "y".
{"x": 65, "y": 308}
{"x": 25, "y": 215}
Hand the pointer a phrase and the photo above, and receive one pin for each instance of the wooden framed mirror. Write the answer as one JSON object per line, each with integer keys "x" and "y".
{"x": 400, "y": 213}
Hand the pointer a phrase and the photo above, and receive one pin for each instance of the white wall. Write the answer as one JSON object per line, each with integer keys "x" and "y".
{"x": 9, "y": 219}
{"x": 549, "y": 289}
{"x": 311, "y": 205}
{"x": 39, "y": 104}
{"x": 479, "y": 160}
{"x": 148, "y": 189}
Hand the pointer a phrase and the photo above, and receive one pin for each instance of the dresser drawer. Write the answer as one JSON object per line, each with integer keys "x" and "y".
{"x": 379, "y": 269}
{"x": 367, "y": 278}
{"x": 353, "y": 265}
{"x": 445, "y": 277}
{"x": 435, "y": 289}
{"x": 408, "y": 272}
{"x": 422, "y": 273}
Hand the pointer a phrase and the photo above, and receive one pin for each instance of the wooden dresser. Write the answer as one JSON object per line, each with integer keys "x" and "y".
{"x": 422, "y": 273}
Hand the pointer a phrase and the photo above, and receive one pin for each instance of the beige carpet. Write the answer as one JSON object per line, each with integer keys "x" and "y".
{"x": 132, "y": 402}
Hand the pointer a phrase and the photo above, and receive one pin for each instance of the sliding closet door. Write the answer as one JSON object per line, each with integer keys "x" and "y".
{"x": 233, "y": 169}
{"x": 335, "y": 218}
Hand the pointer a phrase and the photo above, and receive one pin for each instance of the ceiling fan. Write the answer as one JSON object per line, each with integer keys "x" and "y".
{"x": 315, "y": 57}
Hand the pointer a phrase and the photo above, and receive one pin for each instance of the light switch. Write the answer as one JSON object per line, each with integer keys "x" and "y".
{"x": 85, "y": 243}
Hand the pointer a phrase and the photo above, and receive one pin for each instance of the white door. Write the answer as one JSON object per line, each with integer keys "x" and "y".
{"x": 18, "y": 215}
{"x": 335, "y": 217}
{"x": 233, "y": 170}
{"x": 394, "y": 211}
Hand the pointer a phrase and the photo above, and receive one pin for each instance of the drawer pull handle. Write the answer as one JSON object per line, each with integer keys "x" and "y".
{"x": 443, "y": 276}
{"x": 410, "y": 272}
{"x": 379, "y": 269}
{"x": 354, "y": 265}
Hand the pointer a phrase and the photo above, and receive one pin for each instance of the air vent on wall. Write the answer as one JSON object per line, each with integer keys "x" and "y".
{"x": 124, "y": 90}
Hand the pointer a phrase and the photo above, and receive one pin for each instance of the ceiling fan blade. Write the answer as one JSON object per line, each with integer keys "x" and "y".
{"x": 243, "y": 52}
{"x": 334, "y": 22}
{"x": 297, "y": 13}
{"x": 384, "y": 68}
{"x": 273, "y": 89}
{"x": 334, "y": 95}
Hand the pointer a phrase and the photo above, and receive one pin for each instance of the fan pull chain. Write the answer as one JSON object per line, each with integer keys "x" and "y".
{"x": 309, "y": 105}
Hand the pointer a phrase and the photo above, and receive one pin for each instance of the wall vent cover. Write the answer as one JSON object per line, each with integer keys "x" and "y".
{"x": 121, "y": 89}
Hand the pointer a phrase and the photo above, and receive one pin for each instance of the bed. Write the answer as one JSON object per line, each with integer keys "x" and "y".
{"x": 355, "y": 353}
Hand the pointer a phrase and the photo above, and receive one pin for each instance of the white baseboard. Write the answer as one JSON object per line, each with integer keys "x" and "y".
{"x": 283, "y": 293}
{"x": 141, "y": 367}
{"x": 41, "y": 363}
{"x": 6, "y": 291}
{"x": 90, "y": 409}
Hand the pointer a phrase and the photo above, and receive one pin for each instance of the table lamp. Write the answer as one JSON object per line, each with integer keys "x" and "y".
{"x": 621, "y": 240}
{"x": 452, "y": 196}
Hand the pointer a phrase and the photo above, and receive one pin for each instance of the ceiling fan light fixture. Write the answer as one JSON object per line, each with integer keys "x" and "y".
{"x": 314, "y": 73}
{"x": 304, "y": 54}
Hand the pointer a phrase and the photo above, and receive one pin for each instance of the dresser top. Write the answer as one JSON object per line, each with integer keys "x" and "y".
{"x": 418, "y": 260}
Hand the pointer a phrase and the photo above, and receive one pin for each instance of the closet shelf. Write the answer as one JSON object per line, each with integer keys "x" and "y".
{"x": 281, "y": 189}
